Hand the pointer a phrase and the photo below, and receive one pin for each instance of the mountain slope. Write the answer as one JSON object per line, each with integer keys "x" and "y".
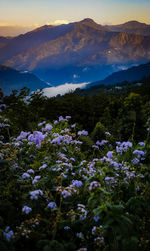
{"x": 4, "y": 41}
{"x": 11, "y": 79}
{"x": 132, "y": 74}
{"x": 75, "y": 52}
{"x": 133, "y": 27}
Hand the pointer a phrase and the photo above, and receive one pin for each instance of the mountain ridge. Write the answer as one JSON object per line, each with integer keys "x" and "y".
{"x": 135, "y": 73}
{"x": 132, "y": 26}
{"x": 13, "y": 79}
{"x": 84, "y": 49}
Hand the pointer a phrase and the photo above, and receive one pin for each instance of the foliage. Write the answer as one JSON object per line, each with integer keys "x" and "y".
{"x": 62, "y": 190}
{"x": 124, "y": 114}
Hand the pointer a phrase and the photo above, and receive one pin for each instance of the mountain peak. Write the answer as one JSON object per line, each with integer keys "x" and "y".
{"x": 92, "y": 24}
{"x": 87, "y": 20}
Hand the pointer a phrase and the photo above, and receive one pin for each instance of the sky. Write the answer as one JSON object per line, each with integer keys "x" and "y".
{"x": 36, "y": 13}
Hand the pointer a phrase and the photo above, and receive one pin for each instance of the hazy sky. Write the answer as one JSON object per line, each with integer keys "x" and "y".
{"x": 39, "y": 12}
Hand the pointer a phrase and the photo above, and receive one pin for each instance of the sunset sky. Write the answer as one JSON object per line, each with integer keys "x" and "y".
{"x": 40, "y": 12}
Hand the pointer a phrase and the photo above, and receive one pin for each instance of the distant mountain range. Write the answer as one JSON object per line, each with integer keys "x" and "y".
{"x": 132, "y": 74}
{"x": 121, "y": 82}
{"x": 131, "y": 27}
{"x": 77, "y": 52}
{"x": 11, "y": 79}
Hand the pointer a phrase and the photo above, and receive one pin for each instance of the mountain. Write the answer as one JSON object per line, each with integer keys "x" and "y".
{"x": 132, "y": 74}
{"x": 133, "y": 27}
{"x": 4, "y": 41}
{"x": 9, "y": 30}
{"x": 120, "y": 82}
{"x": 76, "y": 52}
{"x": 12, "y": 79}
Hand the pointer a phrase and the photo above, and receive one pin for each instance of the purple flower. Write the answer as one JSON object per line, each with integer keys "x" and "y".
{"x": 83, "y": 132}
{"x": 1, "y": 156}
{"x": 48, "y": 127}
{"x": 3, "y": 106}
{"x": 80, "y": 206}
{"x": 66, "y": 228}
{"x": 26, "y": 209}
{"x": 36, "y": 178}
{"x": 23, "y": 135}
{"x": 15, "y": 165}
{"x": 93, "y": 230}
{"x": 108, "y": 133}
{"x": 66, "y": 194}
{"x": 77, "y": 183}
{"x": 110, "y": 154}
{"x": 73, "y": 126}
{"x": 8, "y": 235}
{"x": 34, "y": 194}
{"x": 42, "y": 123}
{"x": 93, "y": 185}
{"x": 123, "y": 147}
{"x": 141, "y": 143}
{"x": 31, "y": 156}
{"x": 96, "y": 218}
{"x": 25, "y": 175}
{"x": 43, "y": 166}
{"x": 52, "y": 205}
{"x": 30, "y": 171}
{"x": 139, "y": 153}
{"x": 99, "y": 239}
{"x": 102, "y": 142}
{"x": 73, "y": 159}
{"x": 55, "y": 122}
{"x": 61, "y": 118}
{"x": 57, "y": 140}
{"x": 135, "y": 161}
{"x": 37, "y": 137}
{"x": 95, "y": 146}
{"x": 79, "y": 235}
{"x": 68, "y": 117}
{"x": 110, "y": 180}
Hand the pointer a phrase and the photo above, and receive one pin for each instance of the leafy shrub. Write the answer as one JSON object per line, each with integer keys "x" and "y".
{"x": 60, "y": 192}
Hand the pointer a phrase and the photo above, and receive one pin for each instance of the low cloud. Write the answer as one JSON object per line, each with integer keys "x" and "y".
{"x": 62, "y": 89}
{"x": 61, "y": 22}
{"x": 58, "y": 22}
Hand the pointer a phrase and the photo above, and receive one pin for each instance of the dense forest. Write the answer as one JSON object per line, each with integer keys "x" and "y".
{"x": 122, "y": 111}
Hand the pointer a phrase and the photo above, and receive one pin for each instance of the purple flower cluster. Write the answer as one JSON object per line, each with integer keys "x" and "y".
{"x": 23, "y": 135}
{"x": 93, "y": 185}
{"x": 83, "y": 132}
{"x": 36, "y": 179}
{"x": 34, "y": 194}
{"x": 83, "y": 212}
{"x": 103, "y": 142}
{"x": 139, "y": 153}
{"x": 26, "y": 209}
{"x": 8, "y": 235}
{"x": 37, "y": 137}
{"x": 123, "y": 147}
{"x": 77, "y": 183}
{"x": 52, "y": 205}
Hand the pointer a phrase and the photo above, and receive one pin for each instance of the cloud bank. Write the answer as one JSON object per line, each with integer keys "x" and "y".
{"x": 58, "y": 22}
{"x": 62, "y": 89}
